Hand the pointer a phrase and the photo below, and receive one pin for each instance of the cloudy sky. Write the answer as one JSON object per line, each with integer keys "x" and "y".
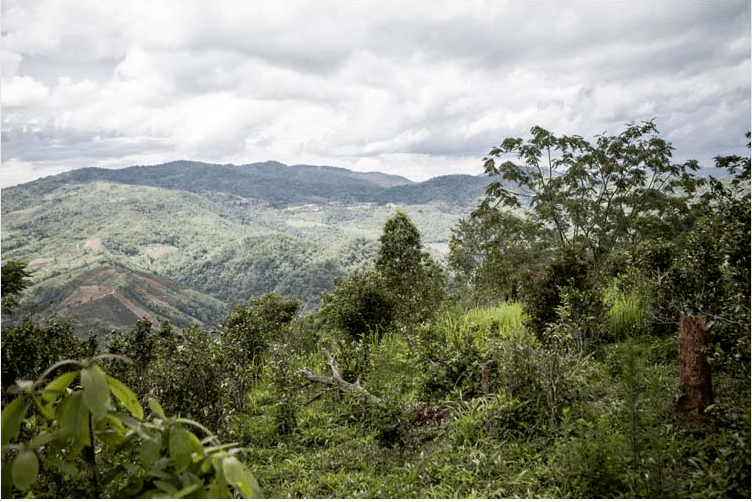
{"x": 417, "y": 89}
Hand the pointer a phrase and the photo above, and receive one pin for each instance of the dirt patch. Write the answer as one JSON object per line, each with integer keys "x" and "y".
{"x": 101, "y": 298}
{"x": 94, "y": 244}
{"x": 304, "y": 224}
{"x": 155, "y": 252}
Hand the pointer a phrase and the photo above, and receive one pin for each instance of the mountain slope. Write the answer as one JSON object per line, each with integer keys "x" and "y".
{"x": 277, "y": 184}
{"x": 228, "y": 233}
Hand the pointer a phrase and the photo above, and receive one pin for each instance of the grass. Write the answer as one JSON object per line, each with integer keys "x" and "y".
{"x": 500, "y": 446}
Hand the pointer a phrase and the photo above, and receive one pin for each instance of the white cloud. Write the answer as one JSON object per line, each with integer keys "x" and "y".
{"x": 23, "y": 91}
{"x": 410, "y": 87}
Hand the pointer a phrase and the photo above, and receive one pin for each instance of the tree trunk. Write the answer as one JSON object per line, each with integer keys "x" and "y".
{"x": 694, "y": 372}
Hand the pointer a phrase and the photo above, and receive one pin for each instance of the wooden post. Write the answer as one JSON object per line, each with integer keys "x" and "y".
{"x": 694, "y": 372}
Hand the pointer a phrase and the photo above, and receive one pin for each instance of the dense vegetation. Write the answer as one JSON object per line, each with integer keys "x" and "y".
{"x": 542, "y": 363}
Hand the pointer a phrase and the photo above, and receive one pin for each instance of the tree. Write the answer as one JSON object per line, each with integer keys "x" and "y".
{"x": 409, "y": 272}
{"x": 361, "y": 304}
{"x": 246, "y": 334}
{"x": 710, "y": 275}
{"x": 12, "y": 285}
{"x": 488, "y": 251}
{"x": 28, "y": 348}
{"x": 593, "y": 195}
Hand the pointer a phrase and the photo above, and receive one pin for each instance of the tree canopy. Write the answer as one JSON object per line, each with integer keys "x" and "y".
{"x": 13, "y": 283}
{"x": 595, "y": 196}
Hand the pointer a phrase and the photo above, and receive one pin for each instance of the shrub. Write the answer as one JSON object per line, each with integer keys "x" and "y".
{"x": 567, "y": 275}
{"x": 83, "y": 444}
{"x": 360, "y": 304}
{"x": 28, "y": 348}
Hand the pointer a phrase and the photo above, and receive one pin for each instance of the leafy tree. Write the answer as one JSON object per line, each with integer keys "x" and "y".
{"x": 488, "y": 251}
{"x": 361, "y": 304}
{"x": 711, "y": 273}
{"x": 13, "y": 283}
{"x": 595, "y": 197}
{"x": 28, "y": 349}
{"x": 408, "y": 271}
{"x": 245, "y": 337}
{"x": 188, "y": 380}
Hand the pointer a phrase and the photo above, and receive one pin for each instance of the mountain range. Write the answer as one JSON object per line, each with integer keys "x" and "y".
{"x": 184, "y": 240}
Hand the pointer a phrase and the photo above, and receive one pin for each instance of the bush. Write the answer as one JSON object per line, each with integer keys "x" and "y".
{"x": 28, "y": 348}
{"x": 80, "y": 443}
{"x": 360, "y": 304}
{"x": 542, "y": 294}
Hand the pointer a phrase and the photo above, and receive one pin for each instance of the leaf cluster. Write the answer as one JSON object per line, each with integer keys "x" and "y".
{"x": 108, "y": 448}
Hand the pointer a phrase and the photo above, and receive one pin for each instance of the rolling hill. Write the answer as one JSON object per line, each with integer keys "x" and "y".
{"x": 184, "y": 240}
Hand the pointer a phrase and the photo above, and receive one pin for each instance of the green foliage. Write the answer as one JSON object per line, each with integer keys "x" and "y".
{"x": 596, "y": 197}
{"x": 566, "y": 293}
{"x": 28, "y": 348}
{"x": 79, "y": 442}
{"x": 488, "y": 251}
{"x": 361, "y": 304}
{"x": 248, "y": 329}
{"x": 13, "y": 283}
{"x": 625, "y": 316}
{"x": 410, "y": 274}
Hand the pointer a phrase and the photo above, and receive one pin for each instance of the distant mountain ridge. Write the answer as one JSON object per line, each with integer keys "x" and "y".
{"x": 281, "y": 185}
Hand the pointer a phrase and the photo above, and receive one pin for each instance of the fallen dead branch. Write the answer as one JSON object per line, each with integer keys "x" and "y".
{"x": 336, "y": 380}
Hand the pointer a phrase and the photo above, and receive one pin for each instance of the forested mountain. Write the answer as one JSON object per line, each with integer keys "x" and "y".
{"x": 226, "y": 231}
{"x": 277, "y": 184}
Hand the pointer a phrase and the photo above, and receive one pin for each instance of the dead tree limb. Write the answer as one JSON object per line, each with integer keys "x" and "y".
{"x": 336, "y": 380}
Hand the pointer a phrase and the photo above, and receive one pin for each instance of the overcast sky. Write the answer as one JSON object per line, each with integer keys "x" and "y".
{"x": 416, "y": 89}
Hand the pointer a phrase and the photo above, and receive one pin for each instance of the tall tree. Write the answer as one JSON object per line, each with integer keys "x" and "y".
{"x": 13, "y": 283}
{"x": 592, "y": 195}
{"x": 409, "y": 272}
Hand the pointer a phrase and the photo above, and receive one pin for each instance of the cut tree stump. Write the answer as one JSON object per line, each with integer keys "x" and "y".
{"x": 694, "y": 372}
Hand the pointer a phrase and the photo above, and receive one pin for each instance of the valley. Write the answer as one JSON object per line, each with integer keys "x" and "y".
{"x": 137, "y": 239}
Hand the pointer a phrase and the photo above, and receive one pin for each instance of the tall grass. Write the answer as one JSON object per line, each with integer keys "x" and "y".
{"x": 482, "y": 326}
{"x": 626, "y": 317}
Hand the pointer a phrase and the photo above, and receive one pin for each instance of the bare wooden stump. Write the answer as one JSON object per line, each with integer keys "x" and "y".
{"x": 694, "y": 371}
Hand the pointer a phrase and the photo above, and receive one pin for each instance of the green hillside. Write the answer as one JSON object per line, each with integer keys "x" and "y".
{"x": 225, "y": 244}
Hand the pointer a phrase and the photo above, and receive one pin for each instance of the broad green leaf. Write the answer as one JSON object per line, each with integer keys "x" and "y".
{"x": 188, "y": 490}
{"x": 51, "y": 392}
{"x": 42, "y": 439}
{"x": 115, "y": 422}
{"x": 240, "y": 478}
{"x": 126, "y": 397}
{"x": 61, "y": 465}
{"x": 73, "y": 417}
{"x": 180, "y": 447}
{"x": 156, "y": 408}
{"x": 218, "y": 490}
{"x": 149, "y": 451}
{"x": 11, "y": 418}
{"x": 166, "y": 487}
{"x": 96, "y": 393}
{"x": 25, "y": 469}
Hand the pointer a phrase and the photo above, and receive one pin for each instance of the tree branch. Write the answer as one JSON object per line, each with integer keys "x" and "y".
{"x": 336, "y": 380}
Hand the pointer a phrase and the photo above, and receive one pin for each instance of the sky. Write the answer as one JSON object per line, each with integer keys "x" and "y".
{"x": 418, "y": 89}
